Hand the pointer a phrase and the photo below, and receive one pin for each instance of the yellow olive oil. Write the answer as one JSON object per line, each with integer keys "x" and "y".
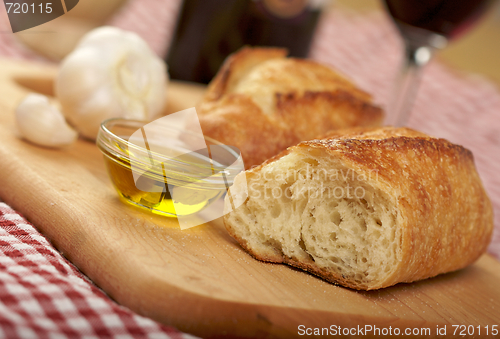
{"x": 154, "y": 194}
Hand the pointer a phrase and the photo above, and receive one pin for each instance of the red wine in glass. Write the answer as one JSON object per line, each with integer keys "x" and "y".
{"x": 445, "y": 17}
{"x": 426, "y": 25}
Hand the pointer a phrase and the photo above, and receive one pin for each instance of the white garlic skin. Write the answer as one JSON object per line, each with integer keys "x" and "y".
{"x": 110, "y": 74}
{"x": 42, "y": 123}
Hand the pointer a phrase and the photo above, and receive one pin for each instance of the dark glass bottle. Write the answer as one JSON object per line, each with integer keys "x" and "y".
{"x": 209, "y": 30}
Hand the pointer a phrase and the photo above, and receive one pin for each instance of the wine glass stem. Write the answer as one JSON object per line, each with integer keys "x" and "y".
{"x": 406, "y": 85}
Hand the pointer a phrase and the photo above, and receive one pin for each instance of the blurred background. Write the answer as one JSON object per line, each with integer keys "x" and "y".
{"x": 477, "y": 51}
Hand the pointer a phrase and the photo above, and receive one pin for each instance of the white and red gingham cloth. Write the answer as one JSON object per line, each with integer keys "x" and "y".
{"x": 43, "y": 295}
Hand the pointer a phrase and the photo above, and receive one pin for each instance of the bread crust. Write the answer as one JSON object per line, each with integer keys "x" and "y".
{"x": 262, "y": 102}
{"x": 446, "y": 218}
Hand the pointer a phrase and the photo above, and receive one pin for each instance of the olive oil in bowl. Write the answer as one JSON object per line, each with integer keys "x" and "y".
{"x": 180, "y": 184}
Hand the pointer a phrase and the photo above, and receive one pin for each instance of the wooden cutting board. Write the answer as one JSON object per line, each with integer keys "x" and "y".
{"x": 199, "y": 280}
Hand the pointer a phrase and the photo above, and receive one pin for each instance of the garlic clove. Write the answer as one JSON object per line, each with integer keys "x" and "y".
{"x": 111, "y": 73}
{"x": 43, "y": 124}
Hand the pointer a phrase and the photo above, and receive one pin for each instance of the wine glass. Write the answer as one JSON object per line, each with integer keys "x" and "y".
{"x": 425, "y": 26}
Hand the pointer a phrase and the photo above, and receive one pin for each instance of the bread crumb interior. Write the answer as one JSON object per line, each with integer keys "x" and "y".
{"x": 313, "y": 210}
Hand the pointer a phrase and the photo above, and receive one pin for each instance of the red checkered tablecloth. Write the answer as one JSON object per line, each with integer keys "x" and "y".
{"x": 43, "y": 295}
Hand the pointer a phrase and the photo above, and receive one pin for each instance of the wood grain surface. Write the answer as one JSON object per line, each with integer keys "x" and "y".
{"x": 200, "y": 280}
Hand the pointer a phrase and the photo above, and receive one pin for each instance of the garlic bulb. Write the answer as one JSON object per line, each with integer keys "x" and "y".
{"x": 111, "y": 73}
{"x": 43, "y": 124}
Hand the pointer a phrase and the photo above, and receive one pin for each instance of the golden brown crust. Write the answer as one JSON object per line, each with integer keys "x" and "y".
{"x": 445, "y": 219}
{"x": 262, "y": 102}
{"x": 237, "y": 66}
{"x": 239, "y": 122}
{"x": 349, "y": 112}
{"x": 446, "y": 216}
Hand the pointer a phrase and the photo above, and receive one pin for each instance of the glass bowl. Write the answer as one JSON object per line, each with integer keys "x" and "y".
{"x": 165, "y": 169}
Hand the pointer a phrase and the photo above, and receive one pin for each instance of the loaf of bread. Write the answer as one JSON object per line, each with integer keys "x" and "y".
{"x": 364, "y": 208}
{"x": 262, "y": 102}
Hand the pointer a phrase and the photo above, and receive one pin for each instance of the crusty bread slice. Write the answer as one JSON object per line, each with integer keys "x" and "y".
{"x": 262, "y": 102}
{"x": 364, "y": 208}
